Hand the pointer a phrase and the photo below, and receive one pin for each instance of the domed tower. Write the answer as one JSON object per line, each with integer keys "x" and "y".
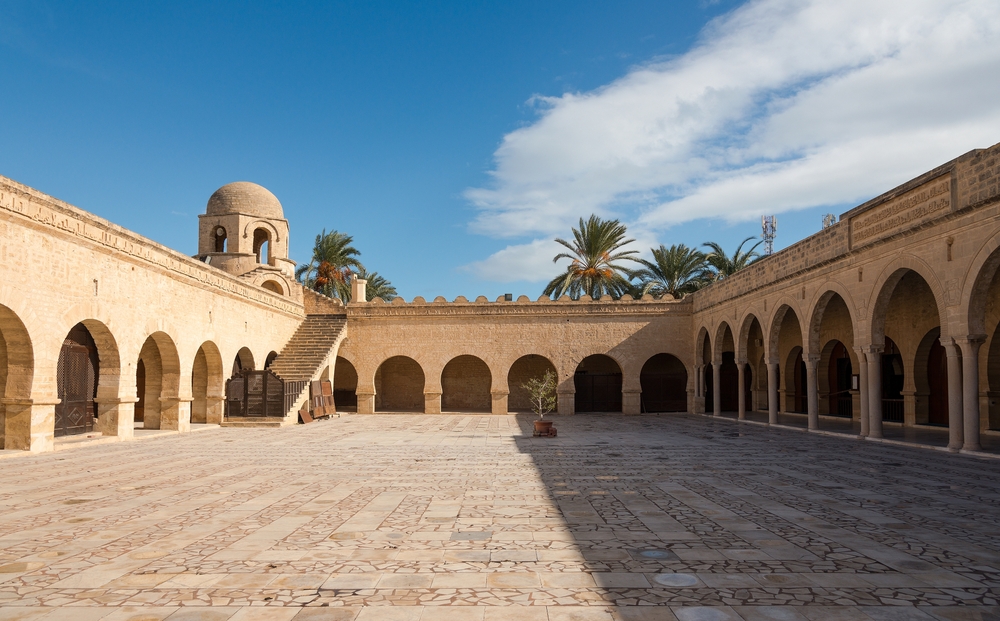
{"x": 244, "y": 232}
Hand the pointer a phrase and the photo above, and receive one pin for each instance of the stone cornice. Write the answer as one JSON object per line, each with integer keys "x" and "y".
{"x": 20, "y": 201}
{"x": 542, "y": 308}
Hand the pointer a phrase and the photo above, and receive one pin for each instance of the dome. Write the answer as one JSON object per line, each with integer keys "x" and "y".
{"x": 245, "y": 198}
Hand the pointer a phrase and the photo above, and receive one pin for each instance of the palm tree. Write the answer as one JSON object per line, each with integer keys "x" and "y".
{"x": 596, "y": 246}
{"x": 675, "y": 271}
{"x": 378, "y": 286}
{"x": 333, "y": 262}
{"x": 725, "y": 265}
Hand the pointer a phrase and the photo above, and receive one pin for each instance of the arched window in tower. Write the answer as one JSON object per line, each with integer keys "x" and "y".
{"x": 262, "y": 246}
{"x": 220, "y": 239}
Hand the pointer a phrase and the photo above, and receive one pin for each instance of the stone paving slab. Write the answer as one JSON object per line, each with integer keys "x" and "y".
{"x": 470, "y": 517}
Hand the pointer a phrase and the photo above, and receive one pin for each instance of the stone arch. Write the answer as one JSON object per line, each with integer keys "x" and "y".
{"x": 930, "y": 380}
{"x": 208, "y": 385}
{"x": 466, "y": 383}
{"x": 243, "y": 361}
{"x": 106, "y": 380}
{"x": 818, "y": 307}
{"x": 885, "y": 285}
{"x": 700, "y": 346}
{"x": 17, "y": 368}
{"x": 399, "y": 385}
{"x": 743, "y": 337}
{"x": 219, "y": 238}
{"x": 722, "y": 331}
{"x": 271, "y": 356}
{"x": 983, "y": 270}
{"x": 663, "y": 380}
{"x": 273, "y": 234}
{"x": 523, "y": 369}
{"x": 345, "y": 385}
{"x": 273, "y": 285}
{"x": 263, "y": 245}
{"x": 158, "y": 394}
{"x": 774, "y": 325}
{"x": 838, "y": 362}
{"x": 598, "y": 384}
{"x": 795, "y": 381}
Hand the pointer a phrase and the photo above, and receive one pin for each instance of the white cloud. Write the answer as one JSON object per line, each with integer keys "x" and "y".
{"x": 782, "y": 105}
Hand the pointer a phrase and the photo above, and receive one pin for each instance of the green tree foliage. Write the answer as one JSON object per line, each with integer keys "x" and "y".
{"x": 675, "y": 271}
{"x": 542, "y": 391}
{"x": 334, "y": 261}
{"x": 597, "y": 246}
{"x": 724, "y": 265}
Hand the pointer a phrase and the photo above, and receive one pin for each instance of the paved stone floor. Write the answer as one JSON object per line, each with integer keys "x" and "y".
{"x": 417, "y": 517}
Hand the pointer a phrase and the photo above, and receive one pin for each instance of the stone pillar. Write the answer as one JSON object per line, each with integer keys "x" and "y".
{"x": 631, "y": 401}
{"x": 970, "y": 395}
{"x": 863, "y": 390}
{"x": 772, "y": 393}
{"x": 956, "y": 425}
{"x": 116, "y": 417}
{"x": 741, "y": 412}
{"x": 432, "y": 402}
{"x": 30, "y": 424}
{"x": 214, "y": 408}
{"x": 499, "y": 405}
{"x": 812, "y": 388}
{"x": 358, "y": 290}
{"x": 366, "y": 401}
{"x": 716, "y": 388}
{"x": 874, "y": 355}
{"x": 175, "y": 413}
{"x": 566, "y": 402}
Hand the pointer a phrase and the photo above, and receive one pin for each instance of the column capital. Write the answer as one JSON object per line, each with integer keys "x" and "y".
{"x": 716, "y": 362}
{"x": 972, "y": 339}
{"x": 812, "y": 359}
{"x": 741, "y": 361}
{"x": 873, "y": 349}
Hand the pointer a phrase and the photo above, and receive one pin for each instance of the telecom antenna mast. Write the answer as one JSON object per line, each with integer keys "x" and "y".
{"x": 769, "y": 225}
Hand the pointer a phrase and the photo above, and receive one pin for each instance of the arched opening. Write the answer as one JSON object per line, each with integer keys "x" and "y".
{"x": 931, "y": 385}
{"x": 161, "y": 367}
{"x": 752, "y": 341}
{"x": 345, "y": 386}
{"x": 598, "y": 381}
{"x": 525, "y": 368}
{"x": 269, "y": 359}
{"x": 663, "y": 381}
{"x": 729, "y": 382}
{"x": 892, "y": 383}
{"x": 984, "y": 318}
{"x": 273, "y": 285}
{"x": 465, "y": 385}
{"x": 220, "y": 239}
{"x": 243, "y": 361}
{"x": 399, "y": 386}
{"x": 140, "y": 391}
{"x": 707, "y": 390}
{"x": 904, "y": 315}
{"x": 839, "y": 389}
{"x": 207, "y": 385}
{"x": 796, "y": 389}
{"x": 17, "y": 366}
{"x": 76, "y": 379}
{"x": 262, "y": 246}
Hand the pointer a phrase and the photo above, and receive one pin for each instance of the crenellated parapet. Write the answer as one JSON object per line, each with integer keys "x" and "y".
{"x": 523, "y": 305}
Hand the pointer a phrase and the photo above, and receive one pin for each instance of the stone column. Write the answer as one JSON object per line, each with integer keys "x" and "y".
{"x": 716, "y": 388}
{"x": 366, "y": 401}
{"x": 956, "y": 426}
{"x": 30, "y": 424}
{"x": 499, "y": 405}
{"x": 566, "y": 402}
{"x": 812, "y": 388}
{"x": 631, "y": 401}
{"x": 116, "y": 417}
{"x": 970, "y": 395}
{"x": 863, "y": 390}
{"x": 772, "y": 393}
{"x": 874, "y": 355}
{"x": 214, "y": 406}
{"x": 175, "y": 413}
{"x": 741, "y": 412}
{"x": 432, "y": 402}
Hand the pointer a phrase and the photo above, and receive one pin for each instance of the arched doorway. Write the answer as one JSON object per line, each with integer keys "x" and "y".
{"x": 525, "y": 368}
{"x": 729, "y": 382}
{"x": 707, "y": 385}
{"x": 786, "y": 344}
{"x": 839, "y": 374}
{"x": 399, "y": 386}
{"x": 796, "y": 395}
{"x": 598, "y": 381}
{"x": 936, "y": 381}
{"x": 76, "y": 378}
{"x": 345, "y": 386}
{"x": 17, "y": 368}
{"x": 161, "y": 375}
{"x": 663, "y": 381}
{"x": 893, "y": 378}
{"x": 243, "y": 361}
{"x": 262, "y": 246}
{"x": 269, "y": 359}
{"x": 465, "y": 385}
{"x": 207, "y": 385}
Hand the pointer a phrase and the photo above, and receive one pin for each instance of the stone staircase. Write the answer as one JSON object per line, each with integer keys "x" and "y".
{"x": 302, "y": 359}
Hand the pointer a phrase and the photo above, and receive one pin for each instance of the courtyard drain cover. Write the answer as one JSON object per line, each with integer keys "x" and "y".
{"x": 479, "y": 535}
{"x": 675, "y": 580}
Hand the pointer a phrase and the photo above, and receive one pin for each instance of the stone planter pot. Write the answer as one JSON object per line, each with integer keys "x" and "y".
{"x": 543, "y": 427}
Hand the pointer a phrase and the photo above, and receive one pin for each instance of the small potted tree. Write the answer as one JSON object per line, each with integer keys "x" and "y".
{"x": 542, "y": 391}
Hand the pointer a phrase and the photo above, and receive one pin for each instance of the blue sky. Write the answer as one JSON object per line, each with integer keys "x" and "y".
{"x": 455, "y": 140}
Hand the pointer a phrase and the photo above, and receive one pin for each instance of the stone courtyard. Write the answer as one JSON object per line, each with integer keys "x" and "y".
{"x": 469, "y": 517}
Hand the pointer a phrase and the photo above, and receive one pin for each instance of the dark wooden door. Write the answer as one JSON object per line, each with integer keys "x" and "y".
{"x": 256, "y": 394}
{"x": 76, "y": 379}
{"x": 598, "y": 392}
